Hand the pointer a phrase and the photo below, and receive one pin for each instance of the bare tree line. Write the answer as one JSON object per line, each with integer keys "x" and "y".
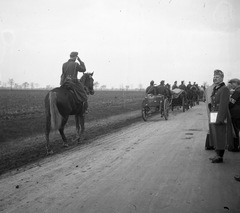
{"x": 25, "y": 85}
{"x": 11, "y": 84}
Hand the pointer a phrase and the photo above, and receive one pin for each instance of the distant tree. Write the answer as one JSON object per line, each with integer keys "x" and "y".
{"x": 121, "y": 87}
{"x": 140, "y": 86}
{"x": 103, "y": 87}
{"x": 32, "y": 85}
{"x": 48, "y": 87}
{"x": 96, "y": 85}
{"x": 127, "y": 87}
{"x": 11, "y": 82}
{"x": 25, "y": 85}
{"x": 36, "y": 85}
{"x": 16, "y": 86}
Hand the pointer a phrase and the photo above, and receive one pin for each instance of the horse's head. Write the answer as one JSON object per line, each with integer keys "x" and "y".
{"x": 87, "y": 80}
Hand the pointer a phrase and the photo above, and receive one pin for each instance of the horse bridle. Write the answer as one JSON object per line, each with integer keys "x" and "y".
{"x": 85, "y": 87}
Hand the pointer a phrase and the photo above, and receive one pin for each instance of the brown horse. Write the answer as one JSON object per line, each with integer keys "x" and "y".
{"x": 59, "y": 104}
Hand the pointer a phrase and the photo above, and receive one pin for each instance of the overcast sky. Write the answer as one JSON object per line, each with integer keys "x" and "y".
{"x": 125, "y": 42}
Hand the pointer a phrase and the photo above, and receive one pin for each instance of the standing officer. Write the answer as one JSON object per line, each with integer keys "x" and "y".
{"x": 234, "y": 107}
{"x": 218, "y": 129}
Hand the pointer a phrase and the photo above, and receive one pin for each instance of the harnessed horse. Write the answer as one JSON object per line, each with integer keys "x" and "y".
{"x": 194, "y": 94}
{"x": 179, "y": 98}
{"x": 59, "y": 104}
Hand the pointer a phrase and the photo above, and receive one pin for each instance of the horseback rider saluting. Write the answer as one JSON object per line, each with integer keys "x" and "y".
{"x": 70, "y": 81}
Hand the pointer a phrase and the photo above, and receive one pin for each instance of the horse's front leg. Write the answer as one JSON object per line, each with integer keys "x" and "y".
{"x": 77, "y": 128}
{"x": 61, "y": 131}
{"x": 47, "y": 132}
{"x": 80, "y": 123}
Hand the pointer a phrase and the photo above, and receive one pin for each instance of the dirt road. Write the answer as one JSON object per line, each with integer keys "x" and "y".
{"x": 153, "y": 166}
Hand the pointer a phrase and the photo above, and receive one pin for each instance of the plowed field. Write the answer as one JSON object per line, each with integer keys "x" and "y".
{"x": 22, "y": 122}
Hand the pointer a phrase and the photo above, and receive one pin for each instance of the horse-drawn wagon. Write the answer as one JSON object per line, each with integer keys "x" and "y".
{"x": 179, "y": 99}
{"x": 153, "y": 104}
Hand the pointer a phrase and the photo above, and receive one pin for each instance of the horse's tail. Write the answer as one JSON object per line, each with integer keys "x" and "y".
{"x": 56, "y": 118}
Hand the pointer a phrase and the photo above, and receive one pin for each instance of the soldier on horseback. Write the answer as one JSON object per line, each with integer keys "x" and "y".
{"x": 151, "y": 89}
{"x": 70, "y": 81}
{"x": 161, "y": 89}
{"x": 183, "y": 86}
{"x": 189, "y": 85}
{"x": 174, "y": 86}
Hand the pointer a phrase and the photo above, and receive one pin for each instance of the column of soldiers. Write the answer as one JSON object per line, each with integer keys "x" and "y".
{"x": 153, "y": 88}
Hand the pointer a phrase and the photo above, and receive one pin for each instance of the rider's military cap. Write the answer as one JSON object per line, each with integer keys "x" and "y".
{"x": 73, "y": 54}
{"x": 219, "y": 72}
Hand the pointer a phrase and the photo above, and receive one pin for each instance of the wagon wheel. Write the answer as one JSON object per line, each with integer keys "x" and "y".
{"x": 165, "y": 108}
{"x": 144, "y": 114}
{"x": 145, "y": 110}
{"x": 183, "y": 104}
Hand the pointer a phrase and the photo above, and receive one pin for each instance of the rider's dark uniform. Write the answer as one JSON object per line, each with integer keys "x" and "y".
{"x": 69, "y": 78}
{"x": 183, "y": 87}
{"x": 151, "y": 89}
{"x": 174, "y": 85}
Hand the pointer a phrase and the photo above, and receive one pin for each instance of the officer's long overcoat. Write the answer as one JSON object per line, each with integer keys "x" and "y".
{"x": 221, "y": 134}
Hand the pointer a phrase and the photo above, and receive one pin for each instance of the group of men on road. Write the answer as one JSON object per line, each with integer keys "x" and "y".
{"x": 223, "y": 107}
{"x": 150, "y": 88}
{"x": 164, "y": 89}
